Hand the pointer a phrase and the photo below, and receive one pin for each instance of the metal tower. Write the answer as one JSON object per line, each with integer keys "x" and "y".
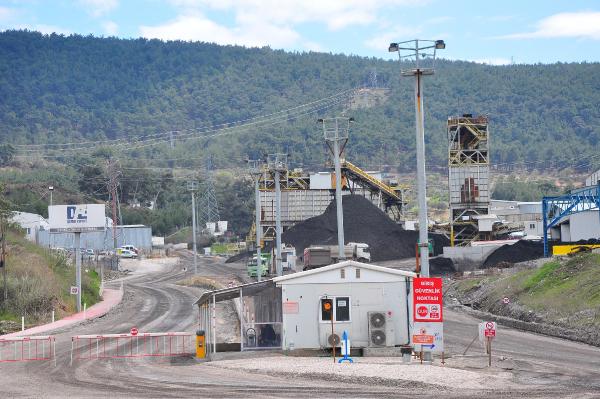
{"x": 277, "y": 164}
{"x": 468, "y": 177}
{"x": 209, "y": 201}
{"x": 335, "y": 130}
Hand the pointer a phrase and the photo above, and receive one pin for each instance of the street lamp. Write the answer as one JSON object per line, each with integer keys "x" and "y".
{"x": 419, "y": 55}
{"x": 51, "y": 189}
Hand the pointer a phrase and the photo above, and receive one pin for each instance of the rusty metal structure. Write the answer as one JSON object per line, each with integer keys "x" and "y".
{"x": 468, "y": 178}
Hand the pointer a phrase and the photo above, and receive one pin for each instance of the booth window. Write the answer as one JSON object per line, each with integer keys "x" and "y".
{"x": 339, "y": 305}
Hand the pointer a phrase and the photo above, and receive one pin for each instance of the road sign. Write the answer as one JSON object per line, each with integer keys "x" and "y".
{"x": 427, "y": 299}
{"x": 506, "y": 300}
{"x": 428, "y": 336}
{"x": 74, "y": 290}
{"x": 134, "y": 331}
{"x": 345, "y": 350}
{"x": 487, "y": 329}
{"x": 423, "y": 339}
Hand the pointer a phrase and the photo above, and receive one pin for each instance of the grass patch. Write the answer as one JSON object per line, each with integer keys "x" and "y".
{"x": 39, "y": 280}
{"x": 544, "y": 276}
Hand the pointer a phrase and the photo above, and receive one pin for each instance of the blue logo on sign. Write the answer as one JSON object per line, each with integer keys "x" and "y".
{"x": 76, "y": 214}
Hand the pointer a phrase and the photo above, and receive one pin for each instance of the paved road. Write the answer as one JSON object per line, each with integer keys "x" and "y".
{"x": 153, "y": 302}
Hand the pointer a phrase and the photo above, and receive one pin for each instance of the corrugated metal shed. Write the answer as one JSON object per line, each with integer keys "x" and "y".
{"x": 139, "y": 236}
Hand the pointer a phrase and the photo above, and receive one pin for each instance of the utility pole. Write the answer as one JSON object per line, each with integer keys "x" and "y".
{"x": 113, "y": 173}
{"x": 192, "y": 186}
{"x": 3, "y": 257}
{"x": 335, "y": 130}
{"x": 256, "y": 173}
{"x": 277, "y": 164}
{"x": 51, "y": 189}
{"x": 420, "y": 50}
{"x": 78, "y": 268}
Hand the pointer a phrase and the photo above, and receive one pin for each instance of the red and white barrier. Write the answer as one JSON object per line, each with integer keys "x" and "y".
{"x": 21, "y": 349}
{"x": 114, "y": 346}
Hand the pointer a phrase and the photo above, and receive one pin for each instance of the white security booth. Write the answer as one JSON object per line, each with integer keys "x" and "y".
{"x": 370, "y": 302}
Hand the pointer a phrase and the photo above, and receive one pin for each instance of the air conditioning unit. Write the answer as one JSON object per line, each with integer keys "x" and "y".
{"x": 381, "y": 329}
{"x": 327, "y": 339}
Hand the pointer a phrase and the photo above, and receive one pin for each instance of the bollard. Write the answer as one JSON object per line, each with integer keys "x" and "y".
{"x": 53, "y": 316}
{"x": 22, "y": 323}
{"x": 200, "y": 344}
{"x": 84, "y": 311}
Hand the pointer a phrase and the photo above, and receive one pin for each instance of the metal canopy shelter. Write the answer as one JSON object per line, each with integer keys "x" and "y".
{"x": 554, "y": 209}
{"x": 258, "y": 306}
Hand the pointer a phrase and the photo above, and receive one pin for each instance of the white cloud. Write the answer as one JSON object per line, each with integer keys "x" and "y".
{"x": 336, "y": 14}
{"x": 110, "y": 28}
{"x": 98, "y": 8}
{"x": 584, "y": 24}
{"x": 200, "y": 28}
{"x": 6, "y": 13}
{"x": 381, "y": 41}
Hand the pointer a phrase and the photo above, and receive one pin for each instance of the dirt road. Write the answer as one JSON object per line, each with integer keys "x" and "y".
{"x": 153, "y": 302}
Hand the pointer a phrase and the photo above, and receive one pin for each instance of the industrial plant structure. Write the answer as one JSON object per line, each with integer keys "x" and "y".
{"x": 468, "y": 179}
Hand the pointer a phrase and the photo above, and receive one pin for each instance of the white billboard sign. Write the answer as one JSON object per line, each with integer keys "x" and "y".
{"x": 76, "y": 218}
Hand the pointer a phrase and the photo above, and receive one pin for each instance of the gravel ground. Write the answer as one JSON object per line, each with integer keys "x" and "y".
{"x": 387, "y": 371}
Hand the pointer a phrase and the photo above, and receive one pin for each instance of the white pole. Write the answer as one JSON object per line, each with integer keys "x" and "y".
{"x": 22, "y": 323}
{"x": 53, "y": 316}
{"x": 421, "y": 179}
{"x": 84, "y": 310}
{"x": 338, "y": 196}
{"x": 258, "y": 229}
{"x": 78, "y": 269}
{"x": 194, "y": 233}
{"x": 278, "y": 224}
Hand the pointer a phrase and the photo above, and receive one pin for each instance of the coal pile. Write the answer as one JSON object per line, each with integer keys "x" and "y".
{"x": 521, "y": 251}
{"x": 363, "y": 222}
{"x": 242, "y": 256}
{"x": 441, "y": 266}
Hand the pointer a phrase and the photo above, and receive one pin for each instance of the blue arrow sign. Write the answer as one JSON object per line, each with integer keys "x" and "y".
{"x": 428, "y": 346}
{"x": 346, "y": 349}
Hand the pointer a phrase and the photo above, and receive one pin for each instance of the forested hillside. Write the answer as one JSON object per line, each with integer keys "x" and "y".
{"x": 58, "y": 89}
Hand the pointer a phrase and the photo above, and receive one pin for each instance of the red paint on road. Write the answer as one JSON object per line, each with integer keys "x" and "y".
{"x": 111, "y": 298}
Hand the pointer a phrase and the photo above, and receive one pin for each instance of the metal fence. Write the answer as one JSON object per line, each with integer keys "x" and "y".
{"x": 114, "y": 346}
{"x": 20, "y": 349}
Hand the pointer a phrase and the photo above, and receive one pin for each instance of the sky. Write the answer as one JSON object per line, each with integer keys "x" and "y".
{"x": 493, "y": 32}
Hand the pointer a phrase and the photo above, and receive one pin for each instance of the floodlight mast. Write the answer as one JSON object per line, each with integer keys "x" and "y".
{"x": 419, "y": 49}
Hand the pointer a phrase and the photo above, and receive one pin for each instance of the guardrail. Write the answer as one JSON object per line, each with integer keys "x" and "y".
{"x": 114, "y": 346}
{"x": 21, "y": 349}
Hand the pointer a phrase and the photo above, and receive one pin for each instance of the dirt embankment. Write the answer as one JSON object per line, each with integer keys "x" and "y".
{"x": 560, "y": 298}
{"x": 38, "y": 282}
{"x": 363, "y": 222}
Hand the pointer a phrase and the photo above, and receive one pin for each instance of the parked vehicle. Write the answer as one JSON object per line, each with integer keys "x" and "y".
{"x": 252, "y": 267}
{"x": 130, "y": 248}
{"x": 89, "y": 252}
{"x": 323, "y": 255}
{"x": 125, "y": 253}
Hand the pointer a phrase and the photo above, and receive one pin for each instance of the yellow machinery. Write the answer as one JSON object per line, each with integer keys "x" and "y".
{"x": 573, "y": 249}
{"x": 200, "y": 344}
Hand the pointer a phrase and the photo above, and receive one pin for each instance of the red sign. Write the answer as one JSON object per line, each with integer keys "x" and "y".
{"x": 490, "y": 333}
{"x": 134, "y": 331}
{"x": 427, "y": 299}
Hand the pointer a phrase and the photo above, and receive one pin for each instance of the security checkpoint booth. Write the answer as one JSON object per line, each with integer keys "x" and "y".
{"x": 371, "y": 303}
{"x": 257, "y": 324}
